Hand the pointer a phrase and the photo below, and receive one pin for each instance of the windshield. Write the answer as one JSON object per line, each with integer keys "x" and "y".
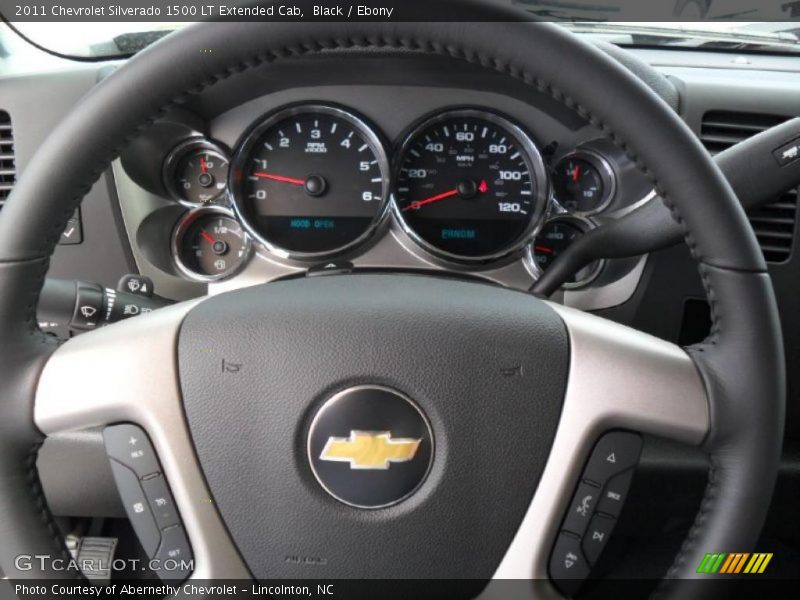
{"x": 111, "y": 40}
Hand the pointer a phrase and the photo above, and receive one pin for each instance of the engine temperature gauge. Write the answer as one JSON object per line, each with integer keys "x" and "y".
{"x": 196, "y": 172}
{"x": 209, "y": 244}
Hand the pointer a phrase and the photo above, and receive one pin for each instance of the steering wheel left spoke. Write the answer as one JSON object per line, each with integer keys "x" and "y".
{"x": 128, "y": 374}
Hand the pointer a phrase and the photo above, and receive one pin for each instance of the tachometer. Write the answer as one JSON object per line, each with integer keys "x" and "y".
{"x": 310, "y": 181}
{"x": 470, "y": 185}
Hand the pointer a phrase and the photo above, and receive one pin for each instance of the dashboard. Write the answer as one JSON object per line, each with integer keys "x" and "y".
{"x": 377, "y": 176}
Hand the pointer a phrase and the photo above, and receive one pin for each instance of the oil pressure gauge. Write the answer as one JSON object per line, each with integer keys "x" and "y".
{"x": 209, "y": 244}
{"x": 196, "y": 173}
{"x": 556, "y": 236}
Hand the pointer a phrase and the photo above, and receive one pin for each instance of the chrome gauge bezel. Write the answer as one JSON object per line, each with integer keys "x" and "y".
{"x": 175, "y": 155}
{"x": 540, "y": 195}
{"x": 251, "y": 138}
{"x": 584, "y": 224}
{"x": 607, "y": 174}
{"x": 182, "y": 226}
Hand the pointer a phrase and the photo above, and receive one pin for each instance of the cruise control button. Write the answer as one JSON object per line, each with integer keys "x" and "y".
{"x": 581, "y": 508}
{"x": 615, "y": 493}
{"x": 568, "y": 567}
{"x": 136, "y": 506}
{"x": 174, "y": 554}
{"x": 596, "y": 537}
{"x": 614, "y": 453}
{"x": 130, "y": 445}
{"x": 157, "y": 493}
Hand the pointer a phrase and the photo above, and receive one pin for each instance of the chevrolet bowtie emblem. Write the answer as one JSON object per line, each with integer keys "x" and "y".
{"x": 370, "y": 449}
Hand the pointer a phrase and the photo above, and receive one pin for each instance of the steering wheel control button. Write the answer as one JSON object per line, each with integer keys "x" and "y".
{"x": 615, "y": 452}
{"x": 370, "y": 447}
{"x": 139, "y": 285}
{"x": 174, "y": 555}
{"x": 596, "y": 537}
{"x": 130, "y": 445}
{"x": 137, "y": 507}
{"x": 615, "y": 493}
{"x": 161, "y": 503}
{"x": 568, "y": 567}
{"x": 581, "y": 508}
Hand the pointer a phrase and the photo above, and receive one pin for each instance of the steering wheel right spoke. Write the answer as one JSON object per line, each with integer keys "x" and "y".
{"x": 621, "y": 383}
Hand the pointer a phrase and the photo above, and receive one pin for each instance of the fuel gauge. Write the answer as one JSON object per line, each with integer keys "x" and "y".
{"x": 209, "y": 244}
{"x": 196, "y": 172}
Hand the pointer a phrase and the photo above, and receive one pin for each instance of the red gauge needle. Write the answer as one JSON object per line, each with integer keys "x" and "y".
{"x": 436, "y": 198}
{"x": 280, "y": 178}
{"x": 576, "y": 173}
{"x": 482, "y": 188}
{"x": 203, "y": 165}
{"x": 207, "y": 237}
{"x": 543, "y": 249}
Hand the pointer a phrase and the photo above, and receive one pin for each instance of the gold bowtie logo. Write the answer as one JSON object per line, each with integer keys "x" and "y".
{"x": 370, "y": 449}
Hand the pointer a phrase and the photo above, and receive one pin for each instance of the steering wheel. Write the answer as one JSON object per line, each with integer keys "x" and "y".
{"x": 511, "y": 392}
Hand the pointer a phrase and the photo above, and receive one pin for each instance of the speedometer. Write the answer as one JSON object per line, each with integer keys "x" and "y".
{"x": 310, "y": 181}
{"x": 470, "y": 186}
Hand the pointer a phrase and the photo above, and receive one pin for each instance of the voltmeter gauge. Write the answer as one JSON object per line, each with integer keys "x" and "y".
{"x": 196, "y": 173}
{"x": 209, "y": 244}
{"x": 583, "y": 182}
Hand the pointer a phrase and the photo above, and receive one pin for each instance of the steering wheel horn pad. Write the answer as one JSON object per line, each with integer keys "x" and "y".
{"x": 446, "y": 345}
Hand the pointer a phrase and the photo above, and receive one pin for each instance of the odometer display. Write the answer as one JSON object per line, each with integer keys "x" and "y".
{"x": 311, "y": 181}
{"x": 469, "y": 185}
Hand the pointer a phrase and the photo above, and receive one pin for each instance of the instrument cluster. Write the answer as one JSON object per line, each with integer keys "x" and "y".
{"x": 468, "y": 187}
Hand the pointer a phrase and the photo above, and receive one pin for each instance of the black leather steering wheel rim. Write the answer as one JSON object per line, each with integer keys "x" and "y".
{"x": 741, "y": 362}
